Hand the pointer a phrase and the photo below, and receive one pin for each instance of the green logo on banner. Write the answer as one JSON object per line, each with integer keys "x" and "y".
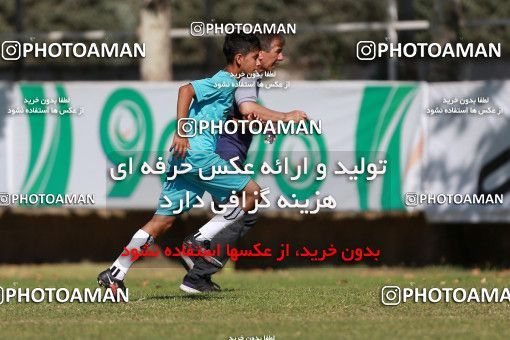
{"x": 382, "y": 112}
{"x": 126, "y": 105}
{"x": 49, "y": 164}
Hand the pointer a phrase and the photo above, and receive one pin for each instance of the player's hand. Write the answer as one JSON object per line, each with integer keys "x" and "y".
{"x": 296, "y": 116}
{"x": 179, "y": 146}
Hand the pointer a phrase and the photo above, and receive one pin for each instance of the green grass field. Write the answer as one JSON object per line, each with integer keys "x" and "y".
{"x": 317, "y": 303}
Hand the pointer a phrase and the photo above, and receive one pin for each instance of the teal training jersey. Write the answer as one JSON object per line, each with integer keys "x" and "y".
{"x": 214, "y": 98}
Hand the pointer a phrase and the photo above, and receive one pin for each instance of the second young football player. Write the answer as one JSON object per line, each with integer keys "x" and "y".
{"x": 207, "y": 99}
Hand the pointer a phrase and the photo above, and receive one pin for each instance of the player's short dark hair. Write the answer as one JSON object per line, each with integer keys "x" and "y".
{"x": 267, "y": 39}
{"x": 239, "y": 43}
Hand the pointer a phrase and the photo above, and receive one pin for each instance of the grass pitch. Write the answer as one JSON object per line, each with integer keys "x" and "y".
{"x": 317, "y": 303}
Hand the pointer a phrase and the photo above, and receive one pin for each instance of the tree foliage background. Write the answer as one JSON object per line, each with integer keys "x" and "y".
{"x": 310, "y": 55}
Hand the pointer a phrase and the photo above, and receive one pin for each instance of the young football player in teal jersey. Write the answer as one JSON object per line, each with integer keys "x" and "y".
{"x": 206, "y": 99}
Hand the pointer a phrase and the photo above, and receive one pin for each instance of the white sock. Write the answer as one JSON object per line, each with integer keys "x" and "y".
{"x": 218, "y": 223}
{"x": 141, "y": 240}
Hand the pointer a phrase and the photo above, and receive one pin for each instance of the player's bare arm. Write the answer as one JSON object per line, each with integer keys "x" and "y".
{"x": 181, "y": 144}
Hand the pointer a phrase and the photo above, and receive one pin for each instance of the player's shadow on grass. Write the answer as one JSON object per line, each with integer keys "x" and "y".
{"x": 186, "y": 297}
{"x": 202, "y": 296}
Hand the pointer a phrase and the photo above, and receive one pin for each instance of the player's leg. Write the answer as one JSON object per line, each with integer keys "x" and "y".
{"x": 113, "y": 277}
{"x": 219, "y": 186}
{"x": 174, "y": 191}
{"x": 228, "y": 236}
{"x": 246, "y": 188}
{"x": 141, "y": 240}
{"x": 196, "y": 281}
{"x": 231, "y": 236}
{"x": 188, "y": 262}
